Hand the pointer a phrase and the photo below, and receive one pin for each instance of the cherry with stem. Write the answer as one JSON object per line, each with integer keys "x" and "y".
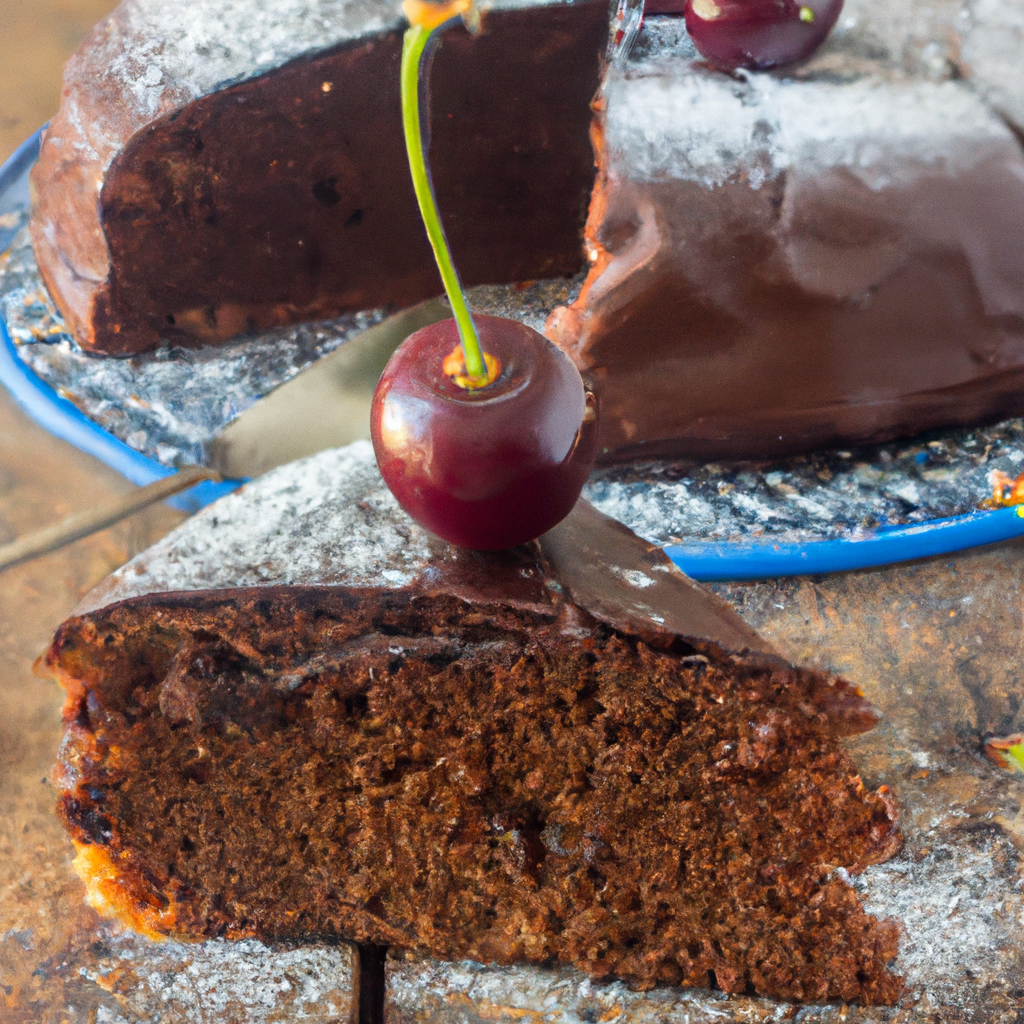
{"x": 487, "y": 445}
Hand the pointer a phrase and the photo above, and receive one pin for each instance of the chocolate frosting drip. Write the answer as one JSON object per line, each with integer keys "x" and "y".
{"x": 631, "y": 584}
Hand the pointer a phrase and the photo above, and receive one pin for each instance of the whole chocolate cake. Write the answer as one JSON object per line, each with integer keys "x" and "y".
{"x": 823, "y": 255}
{"x": 299, "y": 717}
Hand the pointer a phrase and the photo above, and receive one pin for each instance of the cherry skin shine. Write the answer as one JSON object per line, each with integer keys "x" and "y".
{"x": 492, "y": 467}
{"x": 755, "y": 34}
{"x": 759, "y": 34}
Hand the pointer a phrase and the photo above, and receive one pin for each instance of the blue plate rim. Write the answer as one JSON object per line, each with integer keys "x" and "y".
{"x": 65, "y": 420}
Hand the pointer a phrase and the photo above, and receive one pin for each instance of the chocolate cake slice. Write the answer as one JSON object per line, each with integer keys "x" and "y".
{"x": 815, "y": 259}
{"x": 299, "y": 717}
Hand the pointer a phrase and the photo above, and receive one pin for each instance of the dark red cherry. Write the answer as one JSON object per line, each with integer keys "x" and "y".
{"x": 484, "y": 468}
{"x": 756, "y": 34}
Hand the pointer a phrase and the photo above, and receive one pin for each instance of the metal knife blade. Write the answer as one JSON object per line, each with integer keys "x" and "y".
{"x": 325, "y": 406}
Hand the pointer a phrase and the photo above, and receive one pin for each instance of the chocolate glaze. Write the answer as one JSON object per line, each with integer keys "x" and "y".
{"x": 632, "y": 585}
{"x": 329, "y": 521}
{"x": 287, "y": 197}
{"x": 822, "y": 308}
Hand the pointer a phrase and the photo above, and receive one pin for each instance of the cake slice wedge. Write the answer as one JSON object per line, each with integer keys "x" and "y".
{"x": 299, "y": 717}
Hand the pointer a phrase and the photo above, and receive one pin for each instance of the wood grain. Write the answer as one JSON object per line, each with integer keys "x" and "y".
{"x": 36, "y": 38}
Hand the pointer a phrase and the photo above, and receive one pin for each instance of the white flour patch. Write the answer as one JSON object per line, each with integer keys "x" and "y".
{"x": 960, "y": 917}
{"x": 229, "y": 981}
{"x": 327, "y": 519}
{"x": 684, "y": 123}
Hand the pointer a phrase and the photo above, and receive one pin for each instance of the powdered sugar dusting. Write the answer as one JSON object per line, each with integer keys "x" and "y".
{"x": 328, "y": 519}
{"x": 225, "y": 981}
{"x": 150, "y": 58}
{"x": 165, "y": 51}
{"x": 179, "y": 55}
{"x": 993, "y": 50}
{"x": 684, "y": 122}
{"x": 924, "y": 80}
{"x": 961, "y": 919}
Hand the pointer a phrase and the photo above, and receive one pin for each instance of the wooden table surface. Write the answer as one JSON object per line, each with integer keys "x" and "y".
{"x": 937, "y": 645}
{"x": 36, "y": 38}
{"x": 41, "y": 481}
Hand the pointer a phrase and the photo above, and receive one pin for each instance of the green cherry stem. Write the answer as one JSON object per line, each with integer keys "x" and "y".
{"x": 414, "y": 46}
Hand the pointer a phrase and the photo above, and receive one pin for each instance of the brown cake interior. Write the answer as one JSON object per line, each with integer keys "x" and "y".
{"x": 287, "y": 197}
{"x": 472, "y": 781}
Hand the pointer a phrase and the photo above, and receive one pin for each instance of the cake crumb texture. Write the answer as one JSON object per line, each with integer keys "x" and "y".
{"x": 475, "y": 781}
